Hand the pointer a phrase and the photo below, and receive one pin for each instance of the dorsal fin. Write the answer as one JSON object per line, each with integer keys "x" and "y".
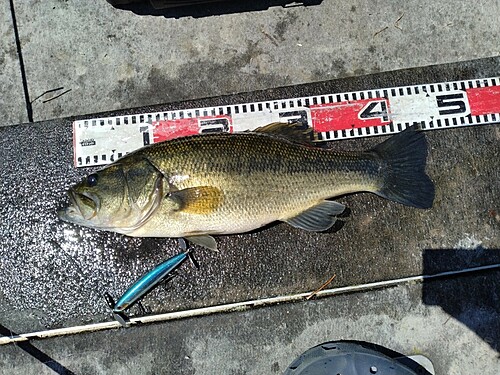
{"x": 295, "y": 132}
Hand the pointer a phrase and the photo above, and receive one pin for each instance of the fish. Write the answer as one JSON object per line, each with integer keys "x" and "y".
{"x": 227, "y": 183}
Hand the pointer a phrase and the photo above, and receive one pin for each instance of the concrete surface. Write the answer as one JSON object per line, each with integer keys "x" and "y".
{"x": 114, "y": 59}
{"x": 54, "y": 274}
{"x": 266, "y": 341}
{"x": 12, "y": 100}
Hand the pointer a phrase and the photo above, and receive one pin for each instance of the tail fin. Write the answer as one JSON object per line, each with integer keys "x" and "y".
{"x": 405, "y": 179}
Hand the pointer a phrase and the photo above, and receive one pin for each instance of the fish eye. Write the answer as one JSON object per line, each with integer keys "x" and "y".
{"x": 92, "y": 180}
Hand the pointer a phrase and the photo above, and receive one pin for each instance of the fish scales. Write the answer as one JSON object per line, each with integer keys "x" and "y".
{"x": 262, "y": 178}
{"x": 233, "y": 183}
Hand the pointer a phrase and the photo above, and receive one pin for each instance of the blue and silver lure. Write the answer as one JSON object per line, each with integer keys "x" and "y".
{"x": 144, "y": 285}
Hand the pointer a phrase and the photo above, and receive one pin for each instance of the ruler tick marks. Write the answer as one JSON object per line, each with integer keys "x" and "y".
{"x": 332, "y": 116}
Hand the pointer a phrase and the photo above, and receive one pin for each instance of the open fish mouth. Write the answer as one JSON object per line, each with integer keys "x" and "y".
{"x": 82, "y": 207}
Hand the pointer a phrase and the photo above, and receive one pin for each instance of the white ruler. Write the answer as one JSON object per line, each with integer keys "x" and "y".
{"x": 100, "y": 141}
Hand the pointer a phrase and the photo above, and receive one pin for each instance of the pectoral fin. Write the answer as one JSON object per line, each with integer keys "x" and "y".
{"x": 317, "y": 218}
{"x": 198, "y": 200}
{"x": 204, "y": 241}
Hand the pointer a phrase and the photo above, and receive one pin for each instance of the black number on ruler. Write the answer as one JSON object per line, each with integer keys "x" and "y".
{"x": 145, "y": 135}
{"x": 454, "y": 104}
{"x": 376, "y": 109}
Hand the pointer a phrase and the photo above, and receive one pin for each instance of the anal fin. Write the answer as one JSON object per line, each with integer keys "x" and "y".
{"x": 317, "y": 218}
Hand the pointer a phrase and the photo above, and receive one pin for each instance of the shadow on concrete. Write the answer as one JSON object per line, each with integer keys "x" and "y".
{"x": 36, "y": 353}
{"x": 474, "y": 299}
{"x": 144, "y": 8}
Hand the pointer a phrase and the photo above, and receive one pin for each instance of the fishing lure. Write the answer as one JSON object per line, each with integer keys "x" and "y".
{"x": 145, "y": 284}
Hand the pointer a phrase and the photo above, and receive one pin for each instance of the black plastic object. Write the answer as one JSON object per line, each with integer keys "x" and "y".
{"x": 353, "y": 358}
{"x": 203, "y": 8}
{"x": 162, "y": 4}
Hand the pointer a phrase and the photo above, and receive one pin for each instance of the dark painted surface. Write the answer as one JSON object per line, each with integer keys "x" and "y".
{"x": 54, "y": 274}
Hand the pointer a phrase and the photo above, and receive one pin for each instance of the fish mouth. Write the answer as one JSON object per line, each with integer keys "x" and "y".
{"x": 82, "y": 207}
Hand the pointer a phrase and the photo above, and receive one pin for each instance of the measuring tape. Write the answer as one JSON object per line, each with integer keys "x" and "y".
{"x": 345, "y": 115}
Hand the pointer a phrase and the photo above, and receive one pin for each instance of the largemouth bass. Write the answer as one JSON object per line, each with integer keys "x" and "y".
{"x": 217, "y": 184}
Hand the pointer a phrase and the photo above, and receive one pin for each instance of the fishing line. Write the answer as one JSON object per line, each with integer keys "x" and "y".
{"x": 239, "y": 306}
